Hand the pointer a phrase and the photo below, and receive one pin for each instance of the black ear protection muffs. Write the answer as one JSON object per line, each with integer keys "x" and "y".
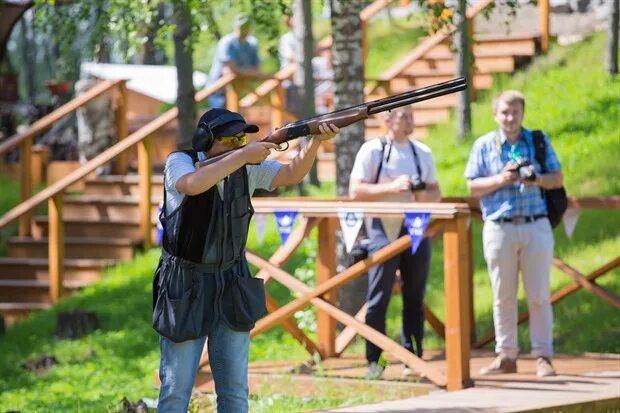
{"x": 203, "y": 135}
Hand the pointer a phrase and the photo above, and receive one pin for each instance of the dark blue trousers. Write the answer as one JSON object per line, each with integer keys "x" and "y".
{"x": 414, "y": 271}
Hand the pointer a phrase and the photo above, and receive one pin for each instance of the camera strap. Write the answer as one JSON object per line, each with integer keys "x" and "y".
{"x": 387, "y": 158}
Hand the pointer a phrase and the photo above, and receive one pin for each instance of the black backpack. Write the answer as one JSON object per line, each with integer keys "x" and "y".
{"x": 556, "y": 199}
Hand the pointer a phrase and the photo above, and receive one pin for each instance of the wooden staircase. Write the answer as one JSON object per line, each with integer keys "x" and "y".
{"x": 101, "y": 229}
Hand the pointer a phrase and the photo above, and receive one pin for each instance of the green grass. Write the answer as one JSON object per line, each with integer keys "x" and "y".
{"x": 9, "y": 198}
{"x": 578, "y": 108}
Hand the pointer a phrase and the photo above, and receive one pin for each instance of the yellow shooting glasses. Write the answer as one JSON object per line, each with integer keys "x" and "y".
{"x": 240, "y": 139}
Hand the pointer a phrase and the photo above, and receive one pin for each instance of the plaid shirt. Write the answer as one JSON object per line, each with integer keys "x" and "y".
{"x": 489, "y": 154}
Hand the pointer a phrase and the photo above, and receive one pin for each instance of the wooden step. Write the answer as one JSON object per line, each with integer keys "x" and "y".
{"x": 122, "y": 185}
{"x": 399, "y": 85}
{"x": 93, "y": 227}
{"x": 37, "y": 268}
{"x": 103, "y": 206}
{"x": 108, "y": 248}
{"x": 490, "y": 64}
{"x": 521, "y": 48}
{"x": 32, "y": 291}
{"x": 13, "y": 311}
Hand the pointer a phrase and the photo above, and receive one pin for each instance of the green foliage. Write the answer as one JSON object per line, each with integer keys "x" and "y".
{"x": 96, "y": 372}
{"x": 579, "y": 110}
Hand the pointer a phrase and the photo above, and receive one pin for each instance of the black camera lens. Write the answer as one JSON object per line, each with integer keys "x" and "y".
{"x": 417, "y": 184}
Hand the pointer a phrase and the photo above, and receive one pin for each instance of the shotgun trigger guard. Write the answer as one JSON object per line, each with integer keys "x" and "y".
{"x": 281, "y": 149}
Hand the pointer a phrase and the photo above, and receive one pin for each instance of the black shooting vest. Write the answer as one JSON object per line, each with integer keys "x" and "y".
{"x": 203, "y": 273}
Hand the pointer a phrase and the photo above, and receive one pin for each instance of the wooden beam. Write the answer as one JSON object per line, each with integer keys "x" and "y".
{"x": 385, "y": 343}
{"x": 107, "y": 155}
{"x": 458, "y": 305}
{"x": 587, "y": 284}
{"x": 25, "y": 162}
{"x": 145, "y": 170}
{"x": 56, "y": 247}
{"x": 543, "y": 24}
{"x": 47, "y": 121}
{"x": 325, "y": 270}
{"x": 349, "y": 274}
{"x": 120, "y": 166}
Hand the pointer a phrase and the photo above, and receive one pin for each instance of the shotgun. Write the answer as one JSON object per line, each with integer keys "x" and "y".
{"x": 348, "y": 116}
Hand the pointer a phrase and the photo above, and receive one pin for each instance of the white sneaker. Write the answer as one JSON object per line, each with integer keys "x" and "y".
{"x": 375, "y": 371}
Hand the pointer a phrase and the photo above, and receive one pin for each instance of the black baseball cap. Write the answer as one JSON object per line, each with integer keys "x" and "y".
{"x": 233, "y": 122}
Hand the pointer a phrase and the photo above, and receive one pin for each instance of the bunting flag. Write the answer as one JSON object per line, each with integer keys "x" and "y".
{"x": 259, "y": 227}
{"x": 416, "y": 223}
{"x": 350, "y": 222}
{"x": 285, "y": 221}
{"x": 570, "y": 220}
{"x": 392, "y": 227}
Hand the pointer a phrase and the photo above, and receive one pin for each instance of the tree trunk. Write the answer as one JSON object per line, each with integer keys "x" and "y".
{"x": 463, "y": 55}
{"x": 612, "y": 37}
{"x": 185, "y": 68}
{"x": 348, "y": 91}
{"x": 304, "y": 80}
{"x": 152, "y": 54}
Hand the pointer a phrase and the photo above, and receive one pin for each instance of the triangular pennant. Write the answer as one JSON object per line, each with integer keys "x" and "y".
{"x": 392, "y": 227}
{"x": 350, "y": 222}
{"x": 259, "y": 227}
{"x": 285, "y": 221}
{"x": 416, "y": 223}
{"x": 569, "y": 219}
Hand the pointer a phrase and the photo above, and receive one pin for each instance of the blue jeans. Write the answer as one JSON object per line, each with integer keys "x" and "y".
{"x": 228, "y": 357}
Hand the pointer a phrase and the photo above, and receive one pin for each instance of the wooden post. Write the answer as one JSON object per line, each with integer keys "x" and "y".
{"x": 326, "y": 269}
{"x": 56, "y": 247}
{"x": 120, "y": 165}
{"x": 25, "y": 160}
{"x": 144, "y": 172}
{"x": 458, "y": 311}
{"x": 543, "y": 23}
{"x": 470, "y": 281}
{"x": 277, "y": 98}
{"x": 232, "y": 95}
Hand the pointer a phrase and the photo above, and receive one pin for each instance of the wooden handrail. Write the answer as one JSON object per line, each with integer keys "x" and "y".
{"x": 429, "y": 43}
{"x": 47, "y": 121}
{"x": 326, "y": 207}
{"x": 108, "y": 154}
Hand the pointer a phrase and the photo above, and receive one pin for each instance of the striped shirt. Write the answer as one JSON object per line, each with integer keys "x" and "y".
{"x": 488, "y": 156}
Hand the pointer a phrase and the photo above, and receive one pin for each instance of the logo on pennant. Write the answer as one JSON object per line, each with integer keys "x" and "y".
{"x": 350, "y": 222}
{"x": 416, "y": 223}
{"x": 285, "y": 221}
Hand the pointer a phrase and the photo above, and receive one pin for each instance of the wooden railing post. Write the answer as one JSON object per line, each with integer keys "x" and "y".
{"x": 25, "y": 160}
{"x": 326, "y": 269}
{"x": 120, "y": 165}
{"x": 543, "y": 23}
{"x": 145, "y": 171}
{"x": 56, "y": 247}
{"x": 232, "y": 95}
{"x": 277, "y": 98}
{"x": 458, "y": 302}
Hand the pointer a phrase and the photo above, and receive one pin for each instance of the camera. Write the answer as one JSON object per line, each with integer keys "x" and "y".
{"x": 525, "y": 168}
{"x": 416, "y": 184}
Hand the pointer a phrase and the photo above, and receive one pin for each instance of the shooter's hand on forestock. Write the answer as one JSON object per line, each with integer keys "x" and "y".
{"x": 327, "y": 131}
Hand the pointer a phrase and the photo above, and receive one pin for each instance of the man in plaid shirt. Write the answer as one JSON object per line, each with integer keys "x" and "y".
{"x": 517, "y": 235}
